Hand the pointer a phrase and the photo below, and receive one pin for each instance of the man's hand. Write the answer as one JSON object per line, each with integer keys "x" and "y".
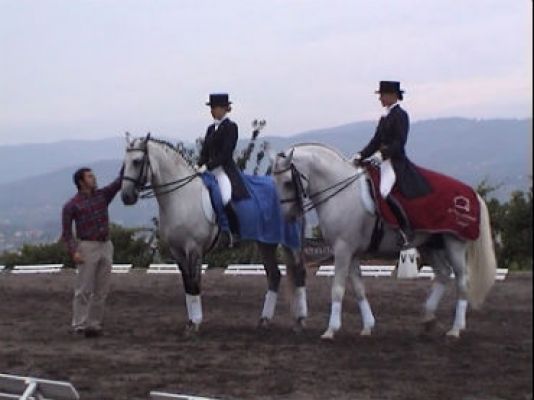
{"x": 376, "y": 159}
{"x": 77, "y": 257}
{"x": 201, "y": 169}
{"x": 357, "y": 159}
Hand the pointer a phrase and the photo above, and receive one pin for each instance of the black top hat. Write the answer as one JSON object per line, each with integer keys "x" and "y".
{"x": 390, "y": 87}
{"x": 218, "y": 99}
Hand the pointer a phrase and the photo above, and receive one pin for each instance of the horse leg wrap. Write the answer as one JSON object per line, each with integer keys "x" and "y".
{"x": 367, "y": 315}
{"x": 335, "y": 316}
{"x": 301, "y": 304}
{"x": 194, "y": 308}
{"x": 459, "y": 318}
{"x": 269, "y": 305}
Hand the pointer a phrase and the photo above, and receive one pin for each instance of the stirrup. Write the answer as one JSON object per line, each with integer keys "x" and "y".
{"x": 405, "y": 242}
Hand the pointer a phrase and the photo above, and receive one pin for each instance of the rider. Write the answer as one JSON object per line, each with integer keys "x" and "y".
{"x": 386, "y": 149}
{"x": 217, "y": 157}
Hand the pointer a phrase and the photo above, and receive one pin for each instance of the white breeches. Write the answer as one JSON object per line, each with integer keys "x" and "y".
{"x": 387, "y": 178}
{"x": 224, "y": 184}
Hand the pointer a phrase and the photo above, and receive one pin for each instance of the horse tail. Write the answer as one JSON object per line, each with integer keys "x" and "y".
{"x": 481, "y": 261}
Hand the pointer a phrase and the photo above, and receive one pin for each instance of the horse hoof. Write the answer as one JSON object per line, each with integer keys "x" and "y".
{"x": 264, "y": 324}
{"x": 300, "y": 325}
{"x": 366, "y": 332}
{"x": 328, "y": 335}
{"x": 191, "y": 329}
{"x": 430, "y": 325}
{"x": 454, "y": 333}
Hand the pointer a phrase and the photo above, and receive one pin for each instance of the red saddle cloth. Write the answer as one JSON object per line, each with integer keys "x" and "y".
{"x": 451, "y": 207}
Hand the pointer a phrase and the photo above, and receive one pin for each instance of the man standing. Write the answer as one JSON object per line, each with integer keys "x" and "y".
{"x": 92, "y": 252}
{"x": 387, "y": 150}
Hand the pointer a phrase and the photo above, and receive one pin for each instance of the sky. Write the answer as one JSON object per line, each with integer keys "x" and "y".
{"x": 79, "y": 69}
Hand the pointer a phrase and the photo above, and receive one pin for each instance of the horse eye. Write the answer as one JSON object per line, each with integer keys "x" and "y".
{"x": 136, "y": 162}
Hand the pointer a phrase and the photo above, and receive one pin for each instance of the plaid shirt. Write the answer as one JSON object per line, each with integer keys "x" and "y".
{"x": 90, "y": 214}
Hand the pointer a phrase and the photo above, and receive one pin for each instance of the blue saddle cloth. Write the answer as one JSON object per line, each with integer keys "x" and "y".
{"x": 260, "y": 216}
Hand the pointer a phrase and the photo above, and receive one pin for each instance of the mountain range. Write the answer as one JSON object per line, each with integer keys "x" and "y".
{"x": 36, "y": 179}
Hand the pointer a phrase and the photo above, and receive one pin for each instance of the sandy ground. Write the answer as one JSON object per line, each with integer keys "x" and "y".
{"x": 145, "y": 349}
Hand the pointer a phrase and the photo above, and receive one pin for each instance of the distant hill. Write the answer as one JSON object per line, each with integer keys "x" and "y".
{"x": 38, "y": 178}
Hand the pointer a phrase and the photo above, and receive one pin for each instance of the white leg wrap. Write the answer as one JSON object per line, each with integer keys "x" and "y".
{"x": 335, "y": 316}
{"x": 269, "y": 305}
{"x": 194, "y": 308}
{"x": 301, "y": 304}
{"x": 438, "y": 289}
{"x": 459, "y": 319}
{"x": 367, "y": 315}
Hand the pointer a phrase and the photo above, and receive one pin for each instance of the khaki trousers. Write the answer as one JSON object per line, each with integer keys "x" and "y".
{"x": 92, "y": 284}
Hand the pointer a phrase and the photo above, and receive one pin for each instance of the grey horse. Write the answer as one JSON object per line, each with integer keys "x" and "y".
{"x": 189, "y": 231}
{"x": 347, "y": 222}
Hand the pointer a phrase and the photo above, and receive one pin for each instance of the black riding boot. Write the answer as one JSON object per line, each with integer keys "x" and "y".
{"x": 405, "y": 230}
{"x": 234, "y": 225}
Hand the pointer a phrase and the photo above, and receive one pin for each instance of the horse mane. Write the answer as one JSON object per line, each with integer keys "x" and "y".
{"x": 166, "y": 145}
{"x": 331, "y": 150}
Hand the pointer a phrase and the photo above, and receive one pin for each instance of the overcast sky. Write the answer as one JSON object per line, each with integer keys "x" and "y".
{"x": 94, "y": 69}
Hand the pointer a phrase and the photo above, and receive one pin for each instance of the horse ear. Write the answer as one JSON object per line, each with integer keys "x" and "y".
{"x": 270, "y": 154}
{"x": 128, "y": 138}
{"x": 289, "y": 158}
{"x": 147, "y": 138}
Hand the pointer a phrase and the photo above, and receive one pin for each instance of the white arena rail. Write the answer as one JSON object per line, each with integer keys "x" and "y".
{"x": 20, "y": 387}
{"x": 37, "y": 269}
{"x": 168, "y": 269}
{"x": 376, "y": 271}
{"x": 169, "y": 396}
{"x": 427, "y": 272}
{"x": 121, "y": 268}
{"x": 2, "y": 267}
{"x": 249, "y": 269}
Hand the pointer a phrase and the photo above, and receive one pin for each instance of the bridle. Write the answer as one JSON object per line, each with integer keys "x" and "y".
{"x": 141, "y": 180}
{"x": 307, "y": 202}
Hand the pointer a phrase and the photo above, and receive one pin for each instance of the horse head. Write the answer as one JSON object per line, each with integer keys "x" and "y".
{"x": 290, "y": 183}
{"x": 136, "y": 168}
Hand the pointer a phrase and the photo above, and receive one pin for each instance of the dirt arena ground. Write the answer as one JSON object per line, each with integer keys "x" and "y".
{"x": 144, "y": 347}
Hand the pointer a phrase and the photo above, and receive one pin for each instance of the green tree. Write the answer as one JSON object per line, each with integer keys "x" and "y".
{"x": 517, "y": 231}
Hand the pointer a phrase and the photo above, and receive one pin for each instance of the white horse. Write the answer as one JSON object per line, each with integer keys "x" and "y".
{"x": 337, "y": 190}
{"x": 188, "y": 231}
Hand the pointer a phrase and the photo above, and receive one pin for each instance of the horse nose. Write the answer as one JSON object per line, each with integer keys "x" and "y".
{"x": 126, "y": 198}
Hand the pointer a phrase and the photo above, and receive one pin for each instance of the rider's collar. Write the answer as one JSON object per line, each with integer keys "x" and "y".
{"x": 389, "y": 108}
{"x": 217, "y": 122}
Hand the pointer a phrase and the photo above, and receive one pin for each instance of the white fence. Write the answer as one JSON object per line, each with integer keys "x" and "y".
{"x": 376, "y": 271}
{"x": 37, "y": 269}
{"x": 169, "y": 269}
{"x": 249, "y": 269}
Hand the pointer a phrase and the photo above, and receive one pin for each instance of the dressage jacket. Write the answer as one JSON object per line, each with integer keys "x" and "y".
{"x": 218, "y": 151}
{"x": 390, "y": 138}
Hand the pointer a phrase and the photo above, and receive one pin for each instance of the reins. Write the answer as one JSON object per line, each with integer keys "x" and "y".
{"x": 301, "y": 195}
{"x": 149, "y": 191}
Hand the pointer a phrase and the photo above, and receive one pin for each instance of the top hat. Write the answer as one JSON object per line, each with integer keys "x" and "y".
{"x": 218, "y": 99}
{"x": 390, "y": 87}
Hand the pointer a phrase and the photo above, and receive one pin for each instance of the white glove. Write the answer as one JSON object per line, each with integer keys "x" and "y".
{"x": 376, "y": 159}
{"x": 201, "y": 169}
{"x": 356, "y": 158}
